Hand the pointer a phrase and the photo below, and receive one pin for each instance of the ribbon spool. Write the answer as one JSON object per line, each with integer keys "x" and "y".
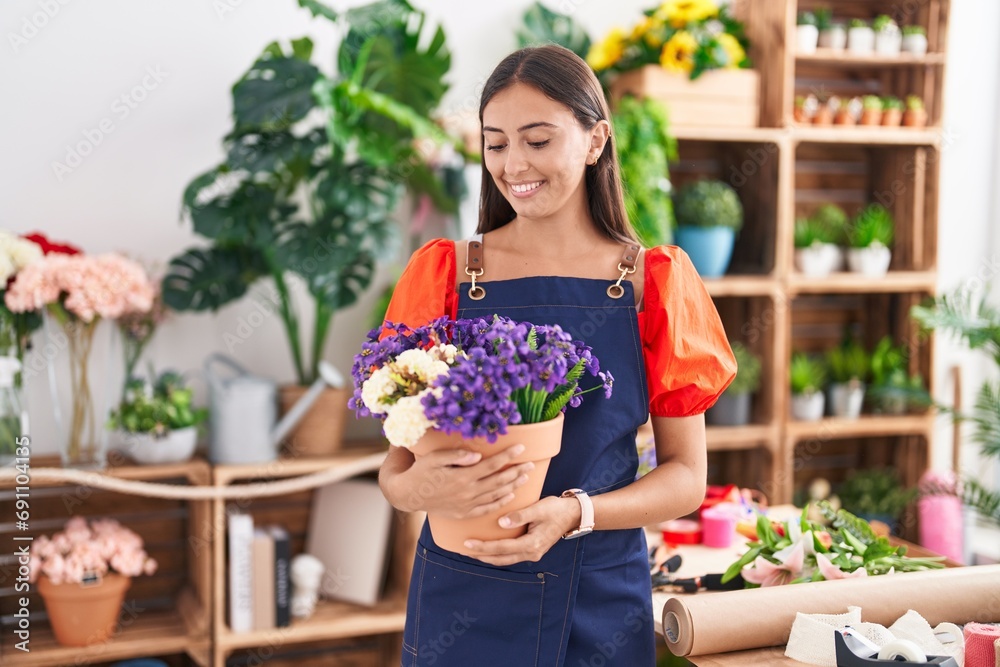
{"x": 681, "y": 531}
{"x": 980, "y": 644}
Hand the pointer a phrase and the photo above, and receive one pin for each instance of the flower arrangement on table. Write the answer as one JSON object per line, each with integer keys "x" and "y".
{"x": 800, "y": 550}
{"x": 686, "y": 36}
{"x": 82, "y": 551}
{"x": 472, "y": 377}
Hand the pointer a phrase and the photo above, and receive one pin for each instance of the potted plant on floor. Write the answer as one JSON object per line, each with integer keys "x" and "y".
{"x": 888, "y": 38}
{"x": 315, "y": 166}
{"x": 914, "y": 40}
{"x": 709, "y": 214}
{"x": 832, "y": 35}
{"x": 871, "y": 110}
{"x": 876, "y": 495}
{"x": 733, "y": 407}
{"x": 157, "y": 421}
{"x": 848, "y": 365}
{"x": 915, "y": 114}
{"x": 871, "y": 238}
{"x": 807, "y": 376}
{"x": 860, "y": 37}
{"x": 806, "y": 33}
{"x": 82, "y": 574}
{"x": 892, "y": 111}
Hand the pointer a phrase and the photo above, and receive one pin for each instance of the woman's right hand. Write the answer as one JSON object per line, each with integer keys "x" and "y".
{"x": 454, "y": 483}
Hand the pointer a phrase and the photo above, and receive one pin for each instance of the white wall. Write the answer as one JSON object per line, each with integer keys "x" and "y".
{"x": 68, "y": 75}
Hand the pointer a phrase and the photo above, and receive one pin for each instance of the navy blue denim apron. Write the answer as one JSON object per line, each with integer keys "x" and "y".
{"x": 587, "y": 602}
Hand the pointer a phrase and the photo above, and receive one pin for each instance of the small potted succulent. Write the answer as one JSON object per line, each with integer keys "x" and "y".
{"x": 915, "y": 114}
{"x": 836, "y": 221}
{"x": 806, "y": 33}
{"x": 805, "y": 108}
{"x": 816, "y": 255}
{"x": 876, "y": 495}
{"x": 848, "y": 366}
{"x": 157, "y": 422}
{"x": 860, "y": 37}
{"x": 892, "y": 111}
{"x": 733, "y": 407}
{"x": 871, "y": 239}
{"x": 888, "y": 38}
{"x": 914, "y": 40}
{"x": 849, "y": 112}
{"x": 825, "y": 110}
{"x": 709, "y": 214}
{"x": 807, "y": 376}
{"x": 832, "y": 35}
{"x": 893, "y": 390}
{"x": 871, "y": 110}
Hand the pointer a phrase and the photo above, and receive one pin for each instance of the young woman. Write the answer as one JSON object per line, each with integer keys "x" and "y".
{"x": 555, "y": 247}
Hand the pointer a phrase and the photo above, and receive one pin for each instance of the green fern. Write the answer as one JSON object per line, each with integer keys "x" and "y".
{"x": 981, "y": 499}
{"x": 560, "y": 397}
{"x": 965, "y": 314}
{"x": 986, "y": 416}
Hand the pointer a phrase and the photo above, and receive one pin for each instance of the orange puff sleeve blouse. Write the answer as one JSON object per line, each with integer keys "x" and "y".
{"x": 689, "y": 362}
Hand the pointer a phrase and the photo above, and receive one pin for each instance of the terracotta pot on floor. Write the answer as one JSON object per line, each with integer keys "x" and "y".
{"x": 320, "y": 432}
{"x": 542, "y": 441}
{"x": 84, "y": 614}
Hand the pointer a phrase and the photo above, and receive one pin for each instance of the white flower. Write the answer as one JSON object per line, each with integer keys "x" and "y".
{"x": 420, "y": 363}
{"x": 406, "y": 422}
{"x": 445, "y": 353}
{"x": 15, "y": 254}
{"x": 376, "y": 389}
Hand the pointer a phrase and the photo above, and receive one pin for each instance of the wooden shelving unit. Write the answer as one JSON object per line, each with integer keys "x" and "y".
{"x": 844, "y": 59}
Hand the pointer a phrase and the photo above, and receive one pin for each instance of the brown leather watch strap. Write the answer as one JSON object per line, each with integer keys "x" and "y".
{"x": 474, "y": 257}
{"x": 630, "y": 256}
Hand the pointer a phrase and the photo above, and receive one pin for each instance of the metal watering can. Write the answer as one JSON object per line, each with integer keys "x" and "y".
{"x": 244, "y": 411}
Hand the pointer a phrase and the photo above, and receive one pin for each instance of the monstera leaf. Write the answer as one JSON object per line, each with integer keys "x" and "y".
{"x": 335, "y": 268}
{"x": 277, "y": 91}
{"x": 544, "y": 26}
{"x": 232, "y": 210}
{"x": 275, "y": 152}
{"x": 209, "y": 278}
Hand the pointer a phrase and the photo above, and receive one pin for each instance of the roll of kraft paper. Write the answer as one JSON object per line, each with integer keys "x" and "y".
{"x": 761, "y": 617}
{"x": 979, "y": 644}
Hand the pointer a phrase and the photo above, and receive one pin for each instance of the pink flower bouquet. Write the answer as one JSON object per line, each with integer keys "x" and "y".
{"x": 83, "y": 550}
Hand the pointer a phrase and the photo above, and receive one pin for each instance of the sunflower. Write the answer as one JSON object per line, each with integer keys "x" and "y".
{"x": 734, "y": 51}
{"x": 682, "y": 12}
{"x": 608, "y": 52}
{"x": 678, "y": 53}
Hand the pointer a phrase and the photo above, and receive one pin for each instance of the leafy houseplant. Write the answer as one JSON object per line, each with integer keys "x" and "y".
{"x": 158, "y": 420}
{"x": 806, "y": 33}
{"x": 848, "y": 366}
{"x": 892, "y": 111}
{"x": 875, "y": 495}
{"x": 709, "y": 214}
{"x": 733, "y": 407}
{"x": 541, "y": 25}
{"x": 831, "y": 35}
{"x": 645, "y": 148}
{"x": 860, "y": 37}
{"x": 871, "y": 238}
{"x": 914, "y": 40}
{"x": 893, "y": 390}
{"x": 476, "y": 384}
{"x": 871, "y": 110}
{"x": 807, "y": 377}
{"x": 915, "y": 114}
{"x": 888, "y": 37}
{"x": 314, "y": 167}
{"x": 816, "y": 241}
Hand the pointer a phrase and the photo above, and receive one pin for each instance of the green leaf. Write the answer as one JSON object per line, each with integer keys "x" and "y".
{"x": 744, "y": 560}
{"x": 541, "y": 26}
{"x": 234, "y": 211}
{"x": 207, "y": 279}
{"x": 258, "y": 152}
{"x": 302, "y": 48}
{"x": 319, "y": 9}
{"x": 274, "y": 94}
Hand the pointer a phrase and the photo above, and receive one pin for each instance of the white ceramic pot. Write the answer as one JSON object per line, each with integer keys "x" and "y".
{"x": 835, "y": 38}
{"x": 872, "y": 261}
{"x": 807, "y": 407}
{"x": 860, "y": 40}
{"x": 818, "y": 260}
{"x": 888, "y": 42}
{"x": 806, "y": 37}
{"x": 915, "y": 44}
{"x": 175, "y": 447}
{"x": 846, "y": 399}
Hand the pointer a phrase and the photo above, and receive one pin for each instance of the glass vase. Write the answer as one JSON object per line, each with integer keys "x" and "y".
{"x": 79, "y": 403}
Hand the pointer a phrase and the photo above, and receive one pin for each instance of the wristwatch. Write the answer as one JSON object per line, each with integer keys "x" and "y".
{"x": 586, "y": 513}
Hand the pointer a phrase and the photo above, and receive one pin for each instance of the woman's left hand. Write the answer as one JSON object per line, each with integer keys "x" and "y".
{"x": 547, "y": 520}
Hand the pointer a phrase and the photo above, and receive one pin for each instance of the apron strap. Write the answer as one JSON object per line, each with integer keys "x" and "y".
{"x": 627, "y": 265}
{"x": 475, "y": 266}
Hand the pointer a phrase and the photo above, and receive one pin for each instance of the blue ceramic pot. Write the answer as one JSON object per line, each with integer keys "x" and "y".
{"x": 710, "y": 248}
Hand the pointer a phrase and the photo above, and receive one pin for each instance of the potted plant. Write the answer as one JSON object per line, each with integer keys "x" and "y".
{"x": 871, "y": 239}
{"x": 876, "y": 495}
{"x": 82, "y": 573}
{"x": 871, "y": 110}
{"x": 733, "y": 407}
{"x": 849, "y": 112}
{"x": 893, "y": 390}
{"x": 915, "y": 114}
{"x": 825, "y": 111}
{"x": 832, "y": 35}
{"x": 816, "y": 254}
{"x": 805, "y": 108}
{"x": 157, "y": 421}
{"x": 807, "y": 376}
{"x": 835, "y": 220}
{"x": 806, "y": 33}
{"x": 315, "y": 166}
{"x": 426, "y": 385}
{"x": 888, "y": 38}
{"x": 709, "y": 214}
{"x": 860, "y": 37}
{"x": 914, "y": 40}
{"x": 892, "y": 111}
{"x": 848, "y": 366}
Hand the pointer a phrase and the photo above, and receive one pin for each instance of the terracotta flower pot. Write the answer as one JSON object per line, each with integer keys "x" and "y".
{"x": 84, "y": 614}
{"x": 542, "y": 441}
{"x": 844, "y": 117}
{"x": 824, "y": 116}
{"x": 871, "y": 117}
{"x": 892, "y": 117}
{"x": 321, "y": 431}
{"x": 915, "y": 118}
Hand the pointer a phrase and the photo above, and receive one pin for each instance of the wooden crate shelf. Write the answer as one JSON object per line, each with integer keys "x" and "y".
{"x": 742, "y": 286}
{"x": 867, "y": 136}
{"x": 866, "y": 426}
{"x": 845, "y": 59}
{"x": 853, "y": 283}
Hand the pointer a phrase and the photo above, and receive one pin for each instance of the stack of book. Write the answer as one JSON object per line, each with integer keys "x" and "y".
{"x": 259, "y": 584}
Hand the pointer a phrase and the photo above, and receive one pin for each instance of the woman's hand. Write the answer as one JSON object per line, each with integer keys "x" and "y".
{"x": 454, "y": 483}
{"x": 547, "y": 520}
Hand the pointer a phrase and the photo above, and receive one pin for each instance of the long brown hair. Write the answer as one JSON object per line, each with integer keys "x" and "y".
{"x": 562, "y": 76}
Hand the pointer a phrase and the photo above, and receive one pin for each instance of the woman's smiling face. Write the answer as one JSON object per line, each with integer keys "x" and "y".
{"x": 536, "y": 151}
